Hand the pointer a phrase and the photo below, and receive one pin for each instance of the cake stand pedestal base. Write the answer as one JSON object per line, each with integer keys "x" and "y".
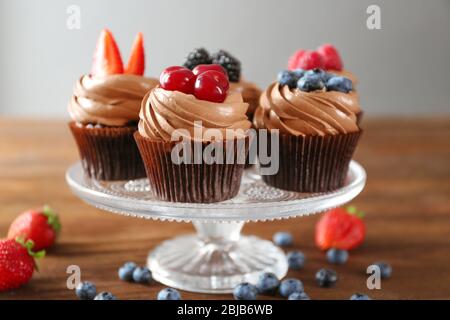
{"x": 216, "y": 259}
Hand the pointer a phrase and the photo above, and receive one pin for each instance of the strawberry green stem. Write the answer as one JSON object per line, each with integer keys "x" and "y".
{"x": 52, "y": 218}
{"x": 353, "y": 211}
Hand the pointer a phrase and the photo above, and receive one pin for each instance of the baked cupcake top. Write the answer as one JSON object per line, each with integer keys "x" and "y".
{"x": 308, "y": 103}
{"x": 111, "y": 95}
{"x": 250, "y": 92}
{"x": 184, "y": 98}
{"x": 111, "y": 100}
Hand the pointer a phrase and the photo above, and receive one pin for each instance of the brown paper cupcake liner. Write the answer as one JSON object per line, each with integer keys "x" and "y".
{"x": 108, "y": 153}
{"x": 359, "y": 117}
{"x": 198, "y": 183}
{"x": 313, "y": 163}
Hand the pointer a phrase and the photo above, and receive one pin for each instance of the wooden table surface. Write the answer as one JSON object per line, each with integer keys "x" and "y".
{"x": 406, "y": 200}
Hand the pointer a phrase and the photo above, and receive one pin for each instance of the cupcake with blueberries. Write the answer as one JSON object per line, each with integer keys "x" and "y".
{"x": 314, "y": 114}
{"x": 105, "y": 109}
{"x": 193, "y": 135}
{"x": 325, "y": 57}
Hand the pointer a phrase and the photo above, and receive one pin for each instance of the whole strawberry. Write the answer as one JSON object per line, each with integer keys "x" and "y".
{"x": 16, "y": 262}
{"x": 41, "y": 226}
{"x": 340, "y": 228}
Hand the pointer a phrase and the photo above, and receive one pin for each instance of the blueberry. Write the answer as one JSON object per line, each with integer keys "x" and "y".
{"x": 327, "y": 76}
{"x": 287, "y": 78}
{"x": 360, "y": 296}
{"x": 268, "y": 283}
{"x": 385, "y": 269}
{"x": 86, "y": 290}
{"x": 296, "y": 260}
{"x": 283, "y": 239}
{"x": 126, "y": 271}
{"x": 341, "y": 84}
{"x": 326, "y": 278}
{"x": 142, "y": 275}
{"x": 289, "y": 286}
{"x": 168, "y": 294}
{"x": 298, "y": 73}
{"x": 105, "y": 296}
{"x": 298, "y": 296}
{"x": 245, "y": 291}
{"x": 310, "y": 82}
{"x": 337, "y": 256}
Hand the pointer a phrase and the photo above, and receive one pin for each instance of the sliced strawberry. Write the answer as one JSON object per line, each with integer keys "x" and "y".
{"x": 330, "y": 56}
{"x": 136, "y": 62}
{"x": 341, "y": 229}
{"x": 107, "y": 59}
{"x": 309, "y": 60}
{"x": 293, "y": 60}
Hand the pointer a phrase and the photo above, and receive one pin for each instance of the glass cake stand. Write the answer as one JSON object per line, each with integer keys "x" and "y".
{"x": 217, "y": 258}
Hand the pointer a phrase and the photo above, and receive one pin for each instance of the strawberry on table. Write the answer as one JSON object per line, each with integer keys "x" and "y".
{"x": 41, "y": 226}
{"x": 340, "y": 228}
{"x": 107, "y": 59}
{"x": 136, "y": 62}
{"x": 17, "y": 262}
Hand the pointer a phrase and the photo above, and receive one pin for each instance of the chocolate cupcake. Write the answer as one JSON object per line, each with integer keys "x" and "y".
{"x": 187, "y": 109}
{"x": 317, "y": 129}
{"x": 105, "y": 111}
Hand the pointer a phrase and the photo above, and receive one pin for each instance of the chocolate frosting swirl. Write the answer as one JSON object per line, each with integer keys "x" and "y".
{"x": 250, "y": 93}
{"x": 163, "y": 112}
{"x": 112, "y": 100}
{"x": 300, "y": 113}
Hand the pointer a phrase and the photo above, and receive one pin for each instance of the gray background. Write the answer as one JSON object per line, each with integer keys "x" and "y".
{"x": 403, "y": 69}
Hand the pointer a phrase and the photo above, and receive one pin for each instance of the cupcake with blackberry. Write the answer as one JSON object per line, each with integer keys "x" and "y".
{"x": 325, "y": 57}
{"x": 105, "y": 109}
{"x": 249, "y": 91}
{"x": 314, "y": 114}
{"x": 193, "y": 135}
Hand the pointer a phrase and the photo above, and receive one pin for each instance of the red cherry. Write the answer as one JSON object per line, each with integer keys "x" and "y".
{"x": 211, "y": 86}
{"x": 206, "y": 67}
{"x": 177, "y": 78}
{"x": 330, "y": 56}
{"x": 293, "y": 60}
{"x": 309, "y": 60}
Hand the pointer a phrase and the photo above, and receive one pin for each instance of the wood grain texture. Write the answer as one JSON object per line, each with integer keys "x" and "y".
{"x": 407, "y": 202}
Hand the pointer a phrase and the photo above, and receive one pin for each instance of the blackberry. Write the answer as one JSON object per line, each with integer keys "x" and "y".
{"x": 196, "y": 57}
{"x": 230, "y": 63}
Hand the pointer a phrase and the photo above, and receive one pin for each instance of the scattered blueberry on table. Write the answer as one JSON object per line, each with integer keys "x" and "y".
{"x": 267, "y": 283}
{"x": 86, "y": 290}
{"x": 283, "y": 239}
{"x": 337, "y": 256}
{"x": 126, "y": 271}
{"x": 296, "y": 260}
{"x": 168, "y": 294}
{"x": 245, "y": 291}
{"x": 360, "y": 296}
{"x": 326, "y": 278}
{"x": 289, "y": 286}
{"x": 298, "y": 296}
{"x": 105, "y": 296}
{"x": 385, "y": 269}
{"x": 142, "y": 275}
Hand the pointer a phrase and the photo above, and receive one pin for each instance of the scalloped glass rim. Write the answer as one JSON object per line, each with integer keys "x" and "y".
{"x": 231, "y": 210}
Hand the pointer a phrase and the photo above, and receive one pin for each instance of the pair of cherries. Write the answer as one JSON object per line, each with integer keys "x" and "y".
{"x": 206, "y": 81}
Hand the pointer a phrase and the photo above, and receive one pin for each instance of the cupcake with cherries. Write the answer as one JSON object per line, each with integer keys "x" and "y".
{"x": 105, "y": 109}
{"x": 325, "y": 57}
{"x": 193, "y": 135}
{"x": 249, "y": 91}
{"x": 313, "y": 114}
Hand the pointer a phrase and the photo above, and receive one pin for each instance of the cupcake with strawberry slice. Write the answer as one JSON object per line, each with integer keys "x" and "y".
{"x": 105, "y": 111}
{"x": 197, "y": 111}
{"x": 325, "y": 57}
